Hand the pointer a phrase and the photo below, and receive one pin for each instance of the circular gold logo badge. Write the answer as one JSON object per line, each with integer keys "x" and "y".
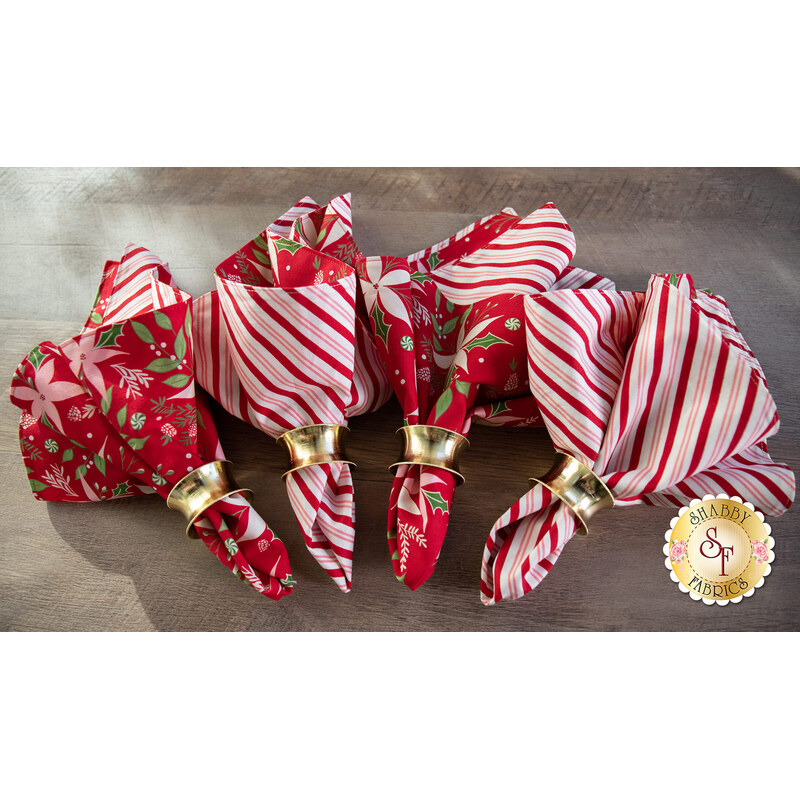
{"x": 719, "y": 549}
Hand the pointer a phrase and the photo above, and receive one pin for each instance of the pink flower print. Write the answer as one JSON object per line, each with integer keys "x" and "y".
{"x": 26, "y": 420}
{"x": 761, "y": 552}
{"x": 83, "y": 358}
{"x": 677, "y": 551}
{"x": 168, "y": 430}
{"x": 45, "y": 392}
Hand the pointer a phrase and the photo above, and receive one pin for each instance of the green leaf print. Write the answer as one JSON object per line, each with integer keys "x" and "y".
{"x": 121, "y": 489}
{"x": 178, "y": 381}
{"x": 162, "y": 320}
{"x": 498, "y": 408}
{"x": 37, "y": 486}
{"x": 100, "y": 463}
{"x": 36, "y": 356}
{"x": 143, "y": 332}
{"x": 436, "y": 500}
{"x": 261, "y": 242}
{"x": 162, "y": 365}
{"x": 108, "y": 338}
{"x": 96, "y": 318}
{"x": 420, "y": 277}
{"x": 444, "y": 402}
{"x": 381, "y": 328}
{"x": 262, "y": 257}
{"x": 137, "y": 444}
{"x": 434, "y": 260}
{"x": 180, "y": 346}
{"x": 485, "y": 342}
{"x": 122, "y": 415}
{"x": 287, "y": 244}
{"x": 67, "y": 455}
{"x": 80, "y": 471}
{"x": 463, "y": 387}
{"x": 105, "y": 403}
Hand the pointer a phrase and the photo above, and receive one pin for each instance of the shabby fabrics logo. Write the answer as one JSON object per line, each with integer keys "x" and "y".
{"x": 719, "y": 549}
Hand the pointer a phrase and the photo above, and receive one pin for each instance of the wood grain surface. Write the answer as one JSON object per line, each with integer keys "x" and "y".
{"x": 127, "y": 565}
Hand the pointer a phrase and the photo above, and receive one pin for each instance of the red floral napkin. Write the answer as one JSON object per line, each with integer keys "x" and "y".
{"x": 113, "y": 412}
{"x": 658, "y": 394}
{"x": 283, "y": 343}
{"x": 449, "y": 325}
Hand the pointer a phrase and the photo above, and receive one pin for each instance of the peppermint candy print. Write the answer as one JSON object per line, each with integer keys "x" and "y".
{"x": 284, "y": 343}
{"x": 443, "y": 321}
{"x": 113, "y": 412}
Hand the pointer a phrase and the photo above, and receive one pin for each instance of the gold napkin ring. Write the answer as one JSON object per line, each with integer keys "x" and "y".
{"x": 576, "y": 485}
{"x": 314, "y": 444}
{"x": 201, "y": 488}
{"x": 431, "y": 446}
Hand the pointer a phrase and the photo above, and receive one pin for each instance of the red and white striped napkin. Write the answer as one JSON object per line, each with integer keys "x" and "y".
{"x": 448, "y": 325}
{"x": 282, "y": 344}
{"x": 658, "y": 394}
{"x": 115, "y": 412}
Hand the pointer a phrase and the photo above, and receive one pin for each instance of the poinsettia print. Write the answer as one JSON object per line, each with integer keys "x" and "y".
{"x": 448, "y": 324}
{"x": 114, "y": 412}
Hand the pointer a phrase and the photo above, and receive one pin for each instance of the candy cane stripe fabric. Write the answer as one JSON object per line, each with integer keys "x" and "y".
{"x": 658, "y": 394}
{"x": 282, "y": 345}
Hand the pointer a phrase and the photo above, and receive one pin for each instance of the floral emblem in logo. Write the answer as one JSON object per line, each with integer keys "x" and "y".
{"x": 760, "y": 552}
{"x": 678, "y": 551}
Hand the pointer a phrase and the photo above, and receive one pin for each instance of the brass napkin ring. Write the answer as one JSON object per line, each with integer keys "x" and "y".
{"x": 431, "y": 446}
{"x": 201, "y": 488}
{"x": 314, "y": 444}
{"x": 575, "y": 484}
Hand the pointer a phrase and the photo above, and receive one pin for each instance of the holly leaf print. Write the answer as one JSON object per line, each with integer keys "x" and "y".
{"x": 381, "y": 328}
{"x": 36, "y": 356}
{"x": 435, "y": 500}
{"x": 108, "y": 338}
{"x": 420, "y": 277}
{"x": 433, "y": 260}
{"x": 121, "y": 489}
{"x": 498, "y": 408}
{"x": 485, "y": 341}
{"x": 143, "y": 332}
{"x": 287, "y": 244}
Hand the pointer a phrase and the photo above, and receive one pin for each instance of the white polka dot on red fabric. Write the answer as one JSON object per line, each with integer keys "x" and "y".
{"x": 88, "y": 435}
{"x": 163, "y": 344}
{"x": 188, "y": 455}
{"x": 31, "y": 438}
{"x": 402, "y": 380}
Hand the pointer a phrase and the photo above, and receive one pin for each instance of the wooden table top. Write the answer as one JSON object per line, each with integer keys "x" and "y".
{"x": 128, "y": 566}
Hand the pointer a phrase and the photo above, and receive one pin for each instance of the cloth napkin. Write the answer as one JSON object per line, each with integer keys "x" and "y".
{"x": 658, "y": 394}
{"x": 114, "y": 412}
{"x": 284, "y": 343}
{"x": 448, "y": 322}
